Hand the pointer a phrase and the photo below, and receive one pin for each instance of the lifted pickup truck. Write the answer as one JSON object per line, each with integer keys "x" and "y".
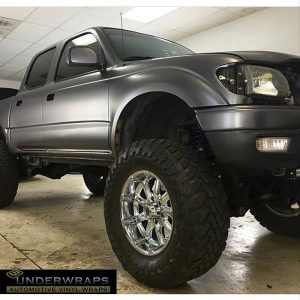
{"x": 178, "y": 141}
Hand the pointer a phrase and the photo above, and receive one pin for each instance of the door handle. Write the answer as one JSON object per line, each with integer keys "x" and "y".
{"x": 19, "y": 102}
{"x": 50, "y": 97}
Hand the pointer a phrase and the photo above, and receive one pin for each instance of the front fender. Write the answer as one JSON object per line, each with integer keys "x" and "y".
{"x": 190, "y": 87}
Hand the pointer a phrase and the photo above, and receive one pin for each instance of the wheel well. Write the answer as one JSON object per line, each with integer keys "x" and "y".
{"x": 152, "y": 116}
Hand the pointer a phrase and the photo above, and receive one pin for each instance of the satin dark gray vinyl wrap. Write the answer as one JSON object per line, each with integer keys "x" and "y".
{"x": 232, "y": 132}
{"x": 87, "y": 108}
{"x": 249, "y": 118}
{"x": 190, "y": 78}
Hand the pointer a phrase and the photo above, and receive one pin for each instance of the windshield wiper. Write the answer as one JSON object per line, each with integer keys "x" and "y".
{"x": 130, "y": 58}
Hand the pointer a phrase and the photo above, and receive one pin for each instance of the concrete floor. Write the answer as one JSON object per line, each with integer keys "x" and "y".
{"x": 59, "y": 224}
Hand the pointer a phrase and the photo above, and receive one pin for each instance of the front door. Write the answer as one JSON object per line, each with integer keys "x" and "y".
{"x": 75, "y": 113}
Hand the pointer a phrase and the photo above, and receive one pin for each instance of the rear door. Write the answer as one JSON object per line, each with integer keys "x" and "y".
{"x": 75, "y": 113}
{"x": 26, "y": 112}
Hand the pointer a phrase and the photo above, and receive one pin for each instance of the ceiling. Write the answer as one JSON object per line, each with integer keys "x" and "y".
{"x": 26, "y": 30}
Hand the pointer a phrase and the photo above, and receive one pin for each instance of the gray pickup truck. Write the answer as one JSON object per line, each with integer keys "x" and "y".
{"x": 177, "y": 141}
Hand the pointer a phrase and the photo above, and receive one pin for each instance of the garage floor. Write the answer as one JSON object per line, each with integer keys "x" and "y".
{"x": 59, "y": 224}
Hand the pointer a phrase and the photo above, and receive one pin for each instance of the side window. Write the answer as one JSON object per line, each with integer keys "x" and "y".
{"x": 64, "y": 70}
{"x": 40, "y": 68}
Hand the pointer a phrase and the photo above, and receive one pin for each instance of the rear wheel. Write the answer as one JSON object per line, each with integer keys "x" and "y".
{"x": 95, "y": 179}
{"x": 166, "y": 213}
{"x": 9, "y": 175}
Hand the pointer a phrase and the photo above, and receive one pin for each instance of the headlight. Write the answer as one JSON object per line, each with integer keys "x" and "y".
{"x": 265, "y": 81}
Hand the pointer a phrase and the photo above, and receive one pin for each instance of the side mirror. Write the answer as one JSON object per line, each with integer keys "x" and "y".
{"x": 84, "y": 56}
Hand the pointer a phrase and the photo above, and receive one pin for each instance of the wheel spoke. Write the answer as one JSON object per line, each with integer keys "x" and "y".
{"x": 125, "y": 209}
{"x": 165, "y": 198}
{"x": 159, "y": 234}
{"x": 140, "y": 241}
{"x": 129, "y": 221}
{"x": 167, "y": 226}
{"x": 139, "y": 188}
{"x": 141, "y": 229}
{"x": 142, "y": 217}
{"x": 156, "y": 187}
{"x": 149, "y": 228}
{"x": 127, "y": 197}
{"x": 140, "y": 200}
{"x": 146, "y": 188}
{"x": 131, "y": 188}
{"x": 167, "y": 211}
{"x": 133, "y": 220}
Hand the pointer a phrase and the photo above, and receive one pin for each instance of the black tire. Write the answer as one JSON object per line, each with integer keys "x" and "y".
{"x": 9, "y": 175}
{"x": 275, "y": 222}
{"x": 201, "y": 217}
{"x": 95, "y": 179}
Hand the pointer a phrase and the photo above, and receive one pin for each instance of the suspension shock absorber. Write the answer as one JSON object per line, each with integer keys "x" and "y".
{"x": 198, "y": 138}
{"x": 189, "y": 133}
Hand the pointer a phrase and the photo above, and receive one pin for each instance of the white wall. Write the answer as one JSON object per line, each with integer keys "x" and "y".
{"x": 9, "y": 84}
{"x": 272, "y": 29}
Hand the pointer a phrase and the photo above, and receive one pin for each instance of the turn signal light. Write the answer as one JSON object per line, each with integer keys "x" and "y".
{"x": 272, "y": 144}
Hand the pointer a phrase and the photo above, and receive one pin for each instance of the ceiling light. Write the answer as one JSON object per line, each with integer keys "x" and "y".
{"x": 147, "y": 14}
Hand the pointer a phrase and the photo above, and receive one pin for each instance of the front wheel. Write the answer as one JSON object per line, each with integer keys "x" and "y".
{"x": 279, "y": 216}
{"x": 166, "y": 213}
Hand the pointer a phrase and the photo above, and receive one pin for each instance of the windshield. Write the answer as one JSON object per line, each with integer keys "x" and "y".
{"x": 141, "y": 46}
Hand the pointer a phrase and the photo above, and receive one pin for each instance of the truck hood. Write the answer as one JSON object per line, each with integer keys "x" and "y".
{"x": 264, "y": 56}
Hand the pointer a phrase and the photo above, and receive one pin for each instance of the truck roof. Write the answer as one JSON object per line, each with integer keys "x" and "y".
{"x": 254, "y": 55}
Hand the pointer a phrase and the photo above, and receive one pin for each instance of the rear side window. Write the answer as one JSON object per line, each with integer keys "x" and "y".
{"x": 64, "y": 70}
{"x": 39, "y": 70}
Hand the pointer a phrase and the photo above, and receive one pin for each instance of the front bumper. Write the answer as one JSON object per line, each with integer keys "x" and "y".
{"x": 232, "y": 132}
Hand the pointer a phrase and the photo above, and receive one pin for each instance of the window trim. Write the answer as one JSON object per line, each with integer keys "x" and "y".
{"x": 32, "y": 64}
{"x": 61, "y": 54}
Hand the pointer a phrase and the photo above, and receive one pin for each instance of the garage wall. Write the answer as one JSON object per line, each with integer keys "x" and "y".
{"x": 273, "y": 29}
{"x": 9, "y": 84}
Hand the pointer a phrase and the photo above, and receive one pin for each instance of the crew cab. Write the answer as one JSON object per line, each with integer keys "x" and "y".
{"x": 177, "y": 141}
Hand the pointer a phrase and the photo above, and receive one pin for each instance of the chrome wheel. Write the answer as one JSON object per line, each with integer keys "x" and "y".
{"x": 146, "y": 213}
